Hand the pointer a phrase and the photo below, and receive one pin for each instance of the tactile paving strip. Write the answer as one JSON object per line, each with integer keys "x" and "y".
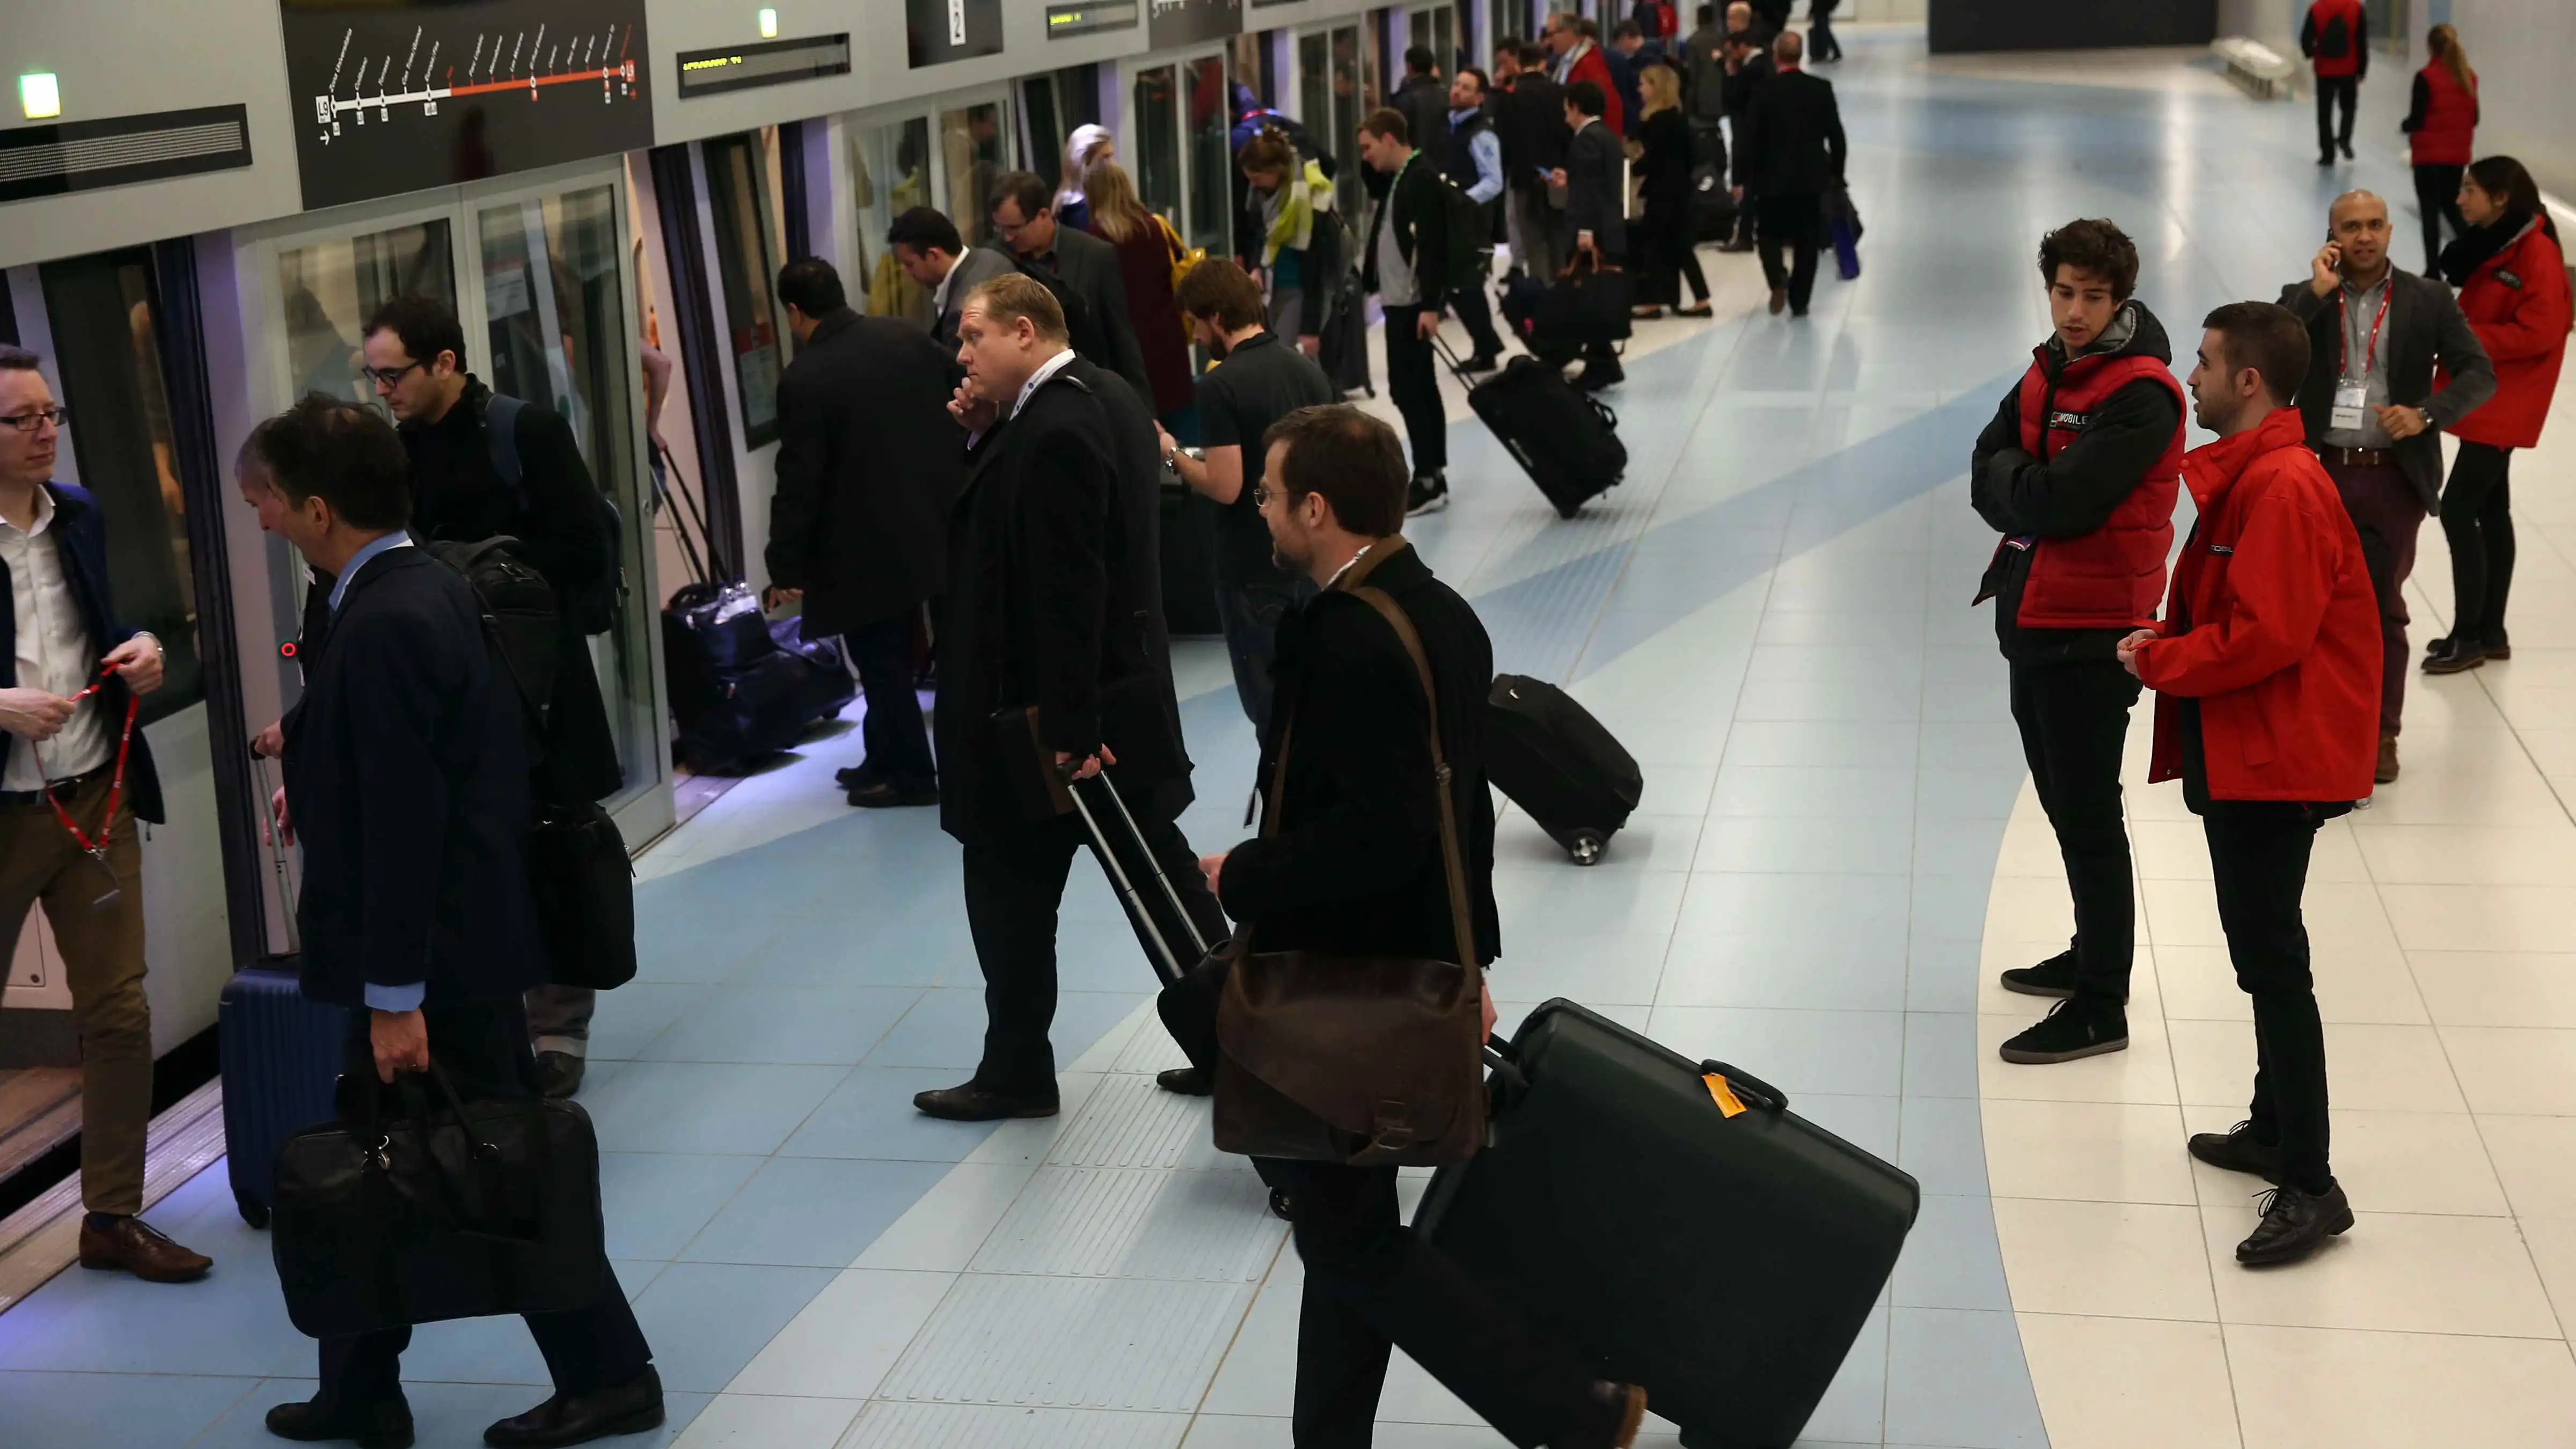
{"x": 1130, "y": 1122}
{"x": 1085, "y": 1343}
{"x": 986, "y": 1426}
{"x": 1091, "y": 1222}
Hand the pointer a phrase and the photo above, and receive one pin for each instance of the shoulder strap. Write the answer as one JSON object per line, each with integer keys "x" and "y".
{"x": 501, "y": 436}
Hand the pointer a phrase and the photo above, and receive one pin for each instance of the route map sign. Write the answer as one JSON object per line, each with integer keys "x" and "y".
{"x": 418, "y": 93}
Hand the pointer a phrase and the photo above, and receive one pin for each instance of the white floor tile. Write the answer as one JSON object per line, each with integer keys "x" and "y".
{"x": 2474, "y": 855}
{"x": 2127, "y": 1383}
{"x": 2109, "y": 1259}
{"x": 2482, "y": 917}
{"x": 2553, "y": 1251}
{"x": 2536, "y": 1158}
{"x": 2497, "y": 988}
{"x": 2393, "y": 1068}
{"x": 2508, "y": 1069}
{"x": 842, "y": 1344}
{"x": 2093, "y": 1151}
{"x": 2305, "y": 1388}
{"x": 2404, "y": 1272}
{"x": 751, "y": 1421}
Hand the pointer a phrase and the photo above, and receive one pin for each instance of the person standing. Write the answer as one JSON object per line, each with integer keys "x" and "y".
{"x": 1669, "y": 247}
{"x": 2378, "y": 341}
{"x": 1084, "y": 272}
{"x": 1350, "y": 861}
{"x": 1148, "y": 249}
{"x": 1423, "y": 99}
{"x": 1053, "y": 605}
{"x": 2441, "y": 127}
{"x": 1748, "y": 69}
{"x": 2336, "y": 40}
{"x": 1597, "y": 211}
{"x": 1476, "y": 168}
{"x": 1088, "y": 146}
{"x": 415, "y": 355}
{"x": 2265, "y": 671}
{"x": 1407, "y": 263}
{"x": 1574, "y": 42}
{"x": 2513, "y": 289}
{"x": 925, "y": 244}
{"x": 857, "y": 525}
{"x": 1703, "y": 64}
{"x": 1791, "y": 154}
{"x": 1820, "y": 32}
{"x": 407, "y": 781}
{"x": 1533, "y": 134}
{"x": 1626, "y": 53}
{"x": 2079, "y": 471}
{"x": 68, "y": 759}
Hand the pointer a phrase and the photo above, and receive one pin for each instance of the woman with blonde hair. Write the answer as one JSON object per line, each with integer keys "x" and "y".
{"x": 2442, "y": 124}
{"x": 1670, "y": 252}
{"x": 1149, "y": 252}
{"x": 1087, "y": 147}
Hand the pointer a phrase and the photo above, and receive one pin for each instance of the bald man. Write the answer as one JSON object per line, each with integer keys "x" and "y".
{"x": 2376, "y": 336}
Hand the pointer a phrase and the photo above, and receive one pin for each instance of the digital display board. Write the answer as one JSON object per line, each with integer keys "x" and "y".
{"x": 1185, "y": 22}
{"x": 399, "y": 95}
{"x": 939, "y": 31}
{"x": 1090, "y": 19}
{"x": 767, "y": 63}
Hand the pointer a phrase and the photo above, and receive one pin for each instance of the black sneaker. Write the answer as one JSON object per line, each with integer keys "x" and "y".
{"x": 1428, "y": 494}
{"x": 2052, "y": 977}
{"x": 2071, "y": 1031}
{"x": 2238, "y": 1150}
{"x": 2294, "y": 1225}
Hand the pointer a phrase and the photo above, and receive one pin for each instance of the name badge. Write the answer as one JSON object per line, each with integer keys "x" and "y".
{"x": 2351, "y": 405}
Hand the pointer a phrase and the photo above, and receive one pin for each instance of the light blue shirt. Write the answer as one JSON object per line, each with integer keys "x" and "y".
{"x": 379, "y": 998}
{"x": 1487, "y": 149}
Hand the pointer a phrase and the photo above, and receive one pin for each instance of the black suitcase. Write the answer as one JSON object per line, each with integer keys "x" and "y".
{"x": 1712, "y": 205}
{"x": 1584, "y": 308}
{"x": 1677, "y": 1223}
{"x": 828, "y": 685}
{"x": 277, "y": 1052}
{"x": 1557, "y": 762}
{"x": 1565, "y": 439}
{"x": 1341, "y": 342}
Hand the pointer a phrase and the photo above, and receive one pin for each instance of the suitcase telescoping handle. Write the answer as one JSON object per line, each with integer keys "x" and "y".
{"x": 1749, "y": 1089}
{"x": 1172, "y": 967}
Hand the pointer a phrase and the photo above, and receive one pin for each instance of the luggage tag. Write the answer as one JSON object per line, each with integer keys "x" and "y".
{"x": 2351, "y": 406}
{"x": 1728, "y": 1104}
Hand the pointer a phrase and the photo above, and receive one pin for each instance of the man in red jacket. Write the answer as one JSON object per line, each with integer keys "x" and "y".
{"x": 1575, "y": 42}
{"x": 2266, "y": 672}
{"x": 2336, "y": 41}
{"x": 2079, "y": 471}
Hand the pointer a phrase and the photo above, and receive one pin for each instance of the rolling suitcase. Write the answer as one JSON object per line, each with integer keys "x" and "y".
{"x": 1733, "y": 1264}
{"x": 1567, "y": 441}
{"x": 1557, "y": 762}
{"x": 278, "y": 1054}
{"x": 1341, "y": 343}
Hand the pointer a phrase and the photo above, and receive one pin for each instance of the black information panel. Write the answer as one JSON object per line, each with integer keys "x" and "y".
{"x": 394, "y": 97}
{"x": 1184, "y": 22}
{"x": 939, "y": 31}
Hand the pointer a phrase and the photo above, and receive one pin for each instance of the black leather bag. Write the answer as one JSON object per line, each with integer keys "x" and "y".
{"x": 584, "y": 885}
{"x": 446, "y": 1209}
{"x": 1585, "y": 307}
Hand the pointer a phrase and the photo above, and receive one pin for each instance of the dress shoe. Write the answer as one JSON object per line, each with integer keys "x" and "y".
{"x": 1779, "y": 300}
{"x": 1482, "y": 362}
{"x": 2238, "y": 1150}
{"x": 628, "y": 1408}
{"x": 139, "y": 1248}
{"x": 853, "y": 776}
{"x": 1645, "y": 311}
{"x": 971, "y": 1103}
{"x": 2294, "y": 1225}
{"x": 887, "y": 795}
{"x": 1701, "y": 310}
{"x": 1185, "y": 1082}
{"x": 1594, "y": 377}
{"x": 1735, "y": 244}
{"x": 2072, "y": 1030}
{"x": 2386, "y": 770}
{"x": 375, "y": 1426}
{"x": 1279, "y": 1205}
{"x": 2460, "y": 657}
{"x": 2347, "y": 149}
{"x": 2052, "y": 977}
{"x": 559, "y": 1074}
{"x": 2496, "y": 646}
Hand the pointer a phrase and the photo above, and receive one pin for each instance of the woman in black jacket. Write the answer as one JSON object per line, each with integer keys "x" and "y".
{"x": 1669, "y": 253}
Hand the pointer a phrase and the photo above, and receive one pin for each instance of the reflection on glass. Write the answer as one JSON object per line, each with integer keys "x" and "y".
{"x": 1211, "y": 159}
{"x": 100, "y": 309}
{"x": 555, "y": 313}
{"x": 1047, "y": 131}
{"x": 743, "y": 251}
{"x": 327, "y": 290}
{"x": 970, "y": 144}
{"x": 1352, "y": 102}
{"x": 1157, "y": 159}
{"x": 1315, "y": 88}
{"x": 887, "y": 176}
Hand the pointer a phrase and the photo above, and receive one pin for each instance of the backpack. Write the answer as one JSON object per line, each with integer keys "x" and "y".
{"x": 1470, "y": 234}
{"x": 521, "y": 626}
{"x": 594, "y": 609}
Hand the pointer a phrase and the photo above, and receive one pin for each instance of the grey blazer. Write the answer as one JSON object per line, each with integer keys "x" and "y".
{"x": 978, "y": 266}
{"x": 2425, "y": 327}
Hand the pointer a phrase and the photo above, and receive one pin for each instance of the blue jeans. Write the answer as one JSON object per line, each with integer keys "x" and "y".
{"x": 1249, "y": 611}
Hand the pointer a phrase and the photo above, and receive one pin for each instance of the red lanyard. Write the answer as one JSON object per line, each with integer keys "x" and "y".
{"x": 2343, "y": 334}
{"x": 94, "y": 849}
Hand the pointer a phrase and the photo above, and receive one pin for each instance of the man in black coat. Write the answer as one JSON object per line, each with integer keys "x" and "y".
{"x": 415, "y": 355}
{"x": 1423, "y": 100}
{"x": 1596, "y": 209}
{"x": 1350, "y": 861}
{"x": 867, "y": 469}
{"x": 1053, "y": 604}
{"x": 407, "y": 777}
{"x": 1746, "y": 66}
{"x": 1530, "y": 123}
{"x": 1079, "y": 268}
{"x": 1790, "y": 154}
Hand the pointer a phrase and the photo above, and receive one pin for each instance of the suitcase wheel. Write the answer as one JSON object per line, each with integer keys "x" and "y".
{"x": 1568, "y": 510}
{"x": 1586, "y": 845}
{"x": 253, "y": 1211}
{"x": 1279, "y": 1205}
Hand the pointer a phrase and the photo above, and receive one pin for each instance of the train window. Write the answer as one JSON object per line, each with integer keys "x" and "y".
{"x": 738, "y": 192}
{"x": 970, "y": 144}
{"x": 1315, "y": 92}
{"x": 328, "y": 289}
{"x": 889, "y": 167}
{"x": 100, "y": 309}
{"x": 1156, "y": 161}
{"x": 1211, "y": 158}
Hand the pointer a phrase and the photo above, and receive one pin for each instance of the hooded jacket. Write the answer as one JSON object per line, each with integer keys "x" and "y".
{"x": 2517, "y": 303}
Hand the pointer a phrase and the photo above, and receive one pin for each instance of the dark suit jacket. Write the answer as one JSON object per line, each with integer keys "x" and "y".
{"x": 1792, "y": 143}
{"x": 1354, "y": 866}
{"x": 978, "y": 266}
{"x": 1530, "y": 123}
{"x": 1089, "y": 269}
{"x": 1594, "y": 201}
{"x": 79, "y": 537}
{"x": 2425, "y": 327}
{"x": 1054, "y": 599}
{"x": 1424, "y": 102}
{"x": 408, "y": 782}
{"x": 867, "y": 469}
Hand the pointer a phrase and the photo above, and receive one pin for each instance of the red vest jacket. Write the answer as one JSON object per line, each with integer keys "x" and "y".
{"x": 2273, "y": 627}
{"x": 2517, "y": 304}
{"x": 2447, "y": 133}
{"x": 2113, "y": 577}
{"x": 2356, "y": 34}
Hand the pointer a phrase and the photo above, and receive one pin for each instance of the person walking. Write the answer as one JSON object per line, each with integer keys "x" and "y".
{"x": 408, "y": 783}
{"x": 1596, "y": 208}
{"x": 1574, "y": 43}
{"x": 1301, "y": 249}
{"x": 1669, "y": 245}
{"x": 858, "y": 523}
{"x": 2079, "y": 471}
{"x": 1791, "y": 155}
{"x": 68, "y": 835}
{"x": 2264, "y": 669}
{"x": 2512, "y": 278}
{"x": 1703, "y": 67}
{"x": 1476, "y": 167}
{"x": 1408, "y": 262}
{"x": 2336, "y": 40}
{"x": 1747, "y": 68}
{"x": 1821, "y": 45}
{"x": 925, "y": 244}
{"x": 2392, "y": 363}
{"x": 1148, "y": 249}
{"x": 1084, "y": 272}
{"x": 1350, "y": 861}
{"x": 1531, "y": 126}
{"x": 2441, "y": 127}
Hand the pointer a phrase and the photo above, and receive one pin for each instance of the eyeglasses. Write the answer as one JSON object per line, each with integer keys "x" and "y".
{"x": 386, "y": 376}
{"x": 30, "y": 422}
{"x": 1262, "y": 493}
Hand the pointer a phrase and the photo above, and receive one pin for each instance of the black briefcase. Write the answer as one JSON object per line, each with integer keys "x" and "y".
{"x": 439, "y": 1209}
{"x": 1586, "y": 307}
{"x": 584, "y": 884}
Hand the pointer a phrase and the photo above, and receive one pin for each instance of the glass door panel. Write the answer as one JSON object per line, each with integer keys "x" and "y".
{"x": 1211, "y": 218}
{"x": 970, "y": 146}
{"x": 328, "y": 288}
{"x": 1156, "y": 163}
{"x": 886, "y": 169}
{"x": 1354, "y": 96}
{"x": 738, "y": 194}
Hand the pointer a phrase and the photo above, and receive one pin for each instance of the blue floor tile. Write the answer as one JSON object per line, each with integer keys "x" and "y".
{"x": 1951, "y": 1258}
{"x": 1943, "y": 1144}
{"x": 1941, "y": 973}
{"x": 655, "y": 1202}
{"x": 871, "y": 1115}
{"x": 812, "y": 1212}
{"x": 1958, "y": 1378}
{"x": 1940, "y": 1054}
{"x": 637, "y": 1012}
{"x": 784, "y": 1024}
{"x": 947, "y": 1028}
{"x": 706, "y": 1320}
{"x": 697, "y": 1107}
{"x": 84, "y": 1411}
{"x": 831, "y": 949}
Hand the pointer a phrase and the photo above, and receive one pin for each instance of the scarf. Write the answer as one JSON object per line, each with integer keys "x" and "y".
{"x": 2478, "y": 245}
{"x": 1290, "y": 212}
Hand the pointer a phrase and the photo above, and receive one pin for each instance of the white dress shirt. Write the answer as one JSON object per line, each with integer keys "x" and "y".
{"x": 53, "y": 653}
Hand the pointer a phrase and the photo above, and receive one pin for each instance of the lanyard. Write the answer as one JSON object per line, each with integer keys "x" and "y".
{"x": 95, "y": 849}
{"x": 2343, "y": 333}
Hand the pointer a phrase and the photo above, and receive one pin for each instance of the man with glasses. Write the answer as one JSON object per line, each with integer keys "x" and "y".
{"x": 1573, "y": 41}
{"x": 74, "y": 777}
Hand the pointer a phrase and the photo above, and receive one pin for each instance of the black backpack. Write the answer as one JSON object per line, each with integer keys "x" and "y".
{"x": 521, "y": 625}
{"x": 594, "y": 609}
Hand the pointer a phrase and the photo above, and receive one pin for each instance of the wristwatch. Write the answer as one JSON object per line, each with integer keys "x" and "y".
{"x": 157, "y": 646}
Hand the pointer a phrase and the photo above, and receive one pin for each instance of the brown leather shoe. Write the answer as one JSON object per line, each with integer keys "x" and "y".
{"x": 2387, "y": 770}
{"x": 139, "y": 1248}
{"x": 1779, "y": 300}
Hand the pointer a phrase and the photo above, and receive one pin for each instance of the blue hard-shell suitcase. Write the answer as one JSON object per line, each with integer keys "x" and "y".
{"x": 281, "y": 1054}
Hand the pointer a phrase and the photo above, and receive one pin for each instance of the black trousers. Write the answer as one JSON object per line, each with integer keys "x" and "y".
{"x": 1372, "y": 1286}
{"x": 483, "y": 1047}
{"x": 1250, "y": 612}
{"x": 2259, "y": 853}
{"x": 1796, "y": 225}
{"x": 1821, "y": 45}
{"x": 898, "y": 744}
{"x": 1415, "y": 392}
{"x": 1014, "y": 885}
{"x": 2388, "y": 514}
{"x": 2074, "y": 720}
{"x": 2477, "y": 518}
{"x": 2437, "y": 196}
{"x": 1669, "y": 254}
{"x": 2336, "y": 91}
{"x": 1476, "y": 314}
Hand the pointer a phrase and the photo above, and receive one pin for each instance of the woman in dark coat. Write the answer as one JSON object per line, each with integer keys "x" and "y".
{"x": 1669, "y": 253}
{"x": 1147, "y": 249}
